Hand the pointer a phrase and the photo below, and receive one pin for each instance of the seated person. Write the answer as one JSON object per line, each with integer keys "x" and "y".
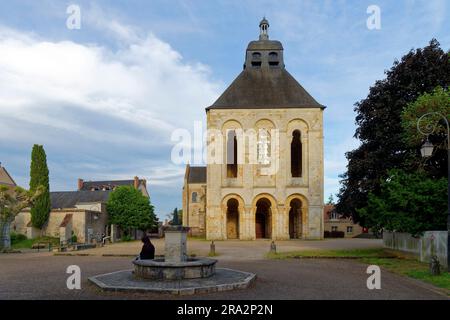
{"x": 148, "y": 249}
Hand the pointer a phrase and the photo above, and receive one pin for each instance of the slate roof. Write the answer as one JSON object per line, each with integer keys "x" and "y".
{"x": 265, "y": 88}
{"x": 68, "y": 199}
{"x": 197, "y": 175}
{"x": 5, "y": 178}
{"x": 88, "y": 185}
{"x": 265, "y": 45}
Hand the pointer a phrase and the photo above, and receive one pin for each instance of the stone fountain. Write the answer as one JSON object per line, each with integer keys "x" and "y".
{"x": 176, "y": 264}
{"x": 176, "y": 273}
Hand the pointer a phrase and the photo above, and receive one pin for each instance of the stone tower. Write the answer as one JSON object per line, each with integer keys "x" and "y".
{"x": 264, "y": 174}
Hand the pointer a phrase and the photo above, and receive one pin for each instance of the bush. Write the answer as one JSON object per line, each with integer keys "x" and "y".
{"x": 17, "y": 237}
{"x": 74, "y": 238}
{"x": 337, "y": 234}
{"x": 126, "y": 238}
{"x": 334, "y": 234}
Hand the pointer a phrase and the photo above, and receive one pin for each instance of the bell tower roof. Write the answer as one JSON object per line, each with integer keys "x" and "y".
{"x": 264, "y": 83}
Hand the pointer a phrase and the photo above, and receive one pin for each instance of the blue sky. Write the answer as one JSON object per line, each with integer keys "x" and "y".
{"x": 103, "y": 100}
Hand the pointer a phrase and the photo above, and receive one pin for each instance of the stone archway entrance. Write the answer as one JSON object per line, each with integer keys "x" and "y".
{"x": 295, "y": 219}
{"x": 232, "y": 219}
{"x": 263, "y": 219}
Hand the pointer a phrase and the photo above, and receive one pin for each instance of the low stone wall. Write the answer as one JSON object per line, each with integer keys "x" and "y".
{"x": 422, "y": 247}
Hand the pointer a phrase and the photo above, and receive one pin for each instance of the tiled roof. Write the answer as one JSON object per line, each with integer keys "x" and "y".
{"x": 89, "y": 185}
{"x": 66, "y": 220}
{"x": 69, "y": 199}
{"x": 5, "y": 178}
{"x": 197, "y": 175}
{"x": 265, "y": 88}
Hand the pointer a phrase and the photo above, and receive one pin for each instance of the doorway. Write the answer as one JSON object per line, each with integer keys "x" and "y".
{"x": 263, "y": 219}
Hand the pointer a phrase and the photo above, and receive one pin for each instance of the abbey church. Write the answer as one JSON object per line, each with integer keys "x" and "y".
{"x": 264, "y": 173}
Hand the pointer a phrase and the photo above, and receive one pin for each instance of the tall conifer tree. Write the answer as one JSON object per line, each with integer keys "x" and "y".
{"x": 39, "y": 177}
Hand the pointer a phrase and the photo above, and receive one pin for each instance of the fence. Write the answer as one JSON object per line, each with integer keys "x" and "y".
{"x": 423, "y": 247}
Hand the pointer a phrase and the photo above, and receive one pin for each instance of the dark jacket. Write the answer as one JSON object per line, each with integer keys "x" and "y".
{"x": 147, "y": 252}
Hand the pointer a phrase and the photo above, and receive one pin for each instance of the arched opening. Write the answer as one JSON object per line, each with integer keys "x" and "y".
{"x": 232, "y": 219}
{"x": 263, "y": 219}
{"x": 256, "y": 59}
{"x": 295, "y": 219}
{"x": 232, "y": 151}
{"x": 273, "y": 59}
{"x": 194, "y": 197}
{"x": 296, "y": 154}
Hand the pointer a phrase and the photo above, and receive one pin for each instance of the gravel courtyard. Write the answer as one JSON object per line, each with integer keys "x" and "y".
{"x": 239, "y": 250}
{"x": 43, "y": 275}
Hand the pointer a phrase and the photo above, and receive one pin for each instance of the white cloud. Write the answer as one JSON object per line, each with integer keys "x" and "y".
{"x": 97, "y": 110}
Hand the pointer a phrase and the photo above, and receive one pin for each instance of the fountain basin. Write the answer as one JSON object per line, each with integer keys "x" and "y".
{"x": 159, "y": 269}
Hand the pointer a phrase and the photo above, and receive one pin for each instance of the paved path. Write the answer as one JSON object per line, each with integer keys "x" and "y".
{"x": 239, "y": 250}
{"x": 42, "y": 276}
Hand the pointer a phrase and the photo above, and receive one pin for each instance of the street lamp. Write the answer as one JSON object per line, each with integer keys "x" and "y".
{"x": 427, "y": 151}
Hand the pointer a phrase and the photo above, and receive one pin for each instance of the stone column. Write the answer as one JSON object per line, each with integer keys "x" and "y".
{"x": 247, "y": 222}
{"x": 175, "y": 244}
{"x": 113, "y": 233}
{"x": 281, "y": 226}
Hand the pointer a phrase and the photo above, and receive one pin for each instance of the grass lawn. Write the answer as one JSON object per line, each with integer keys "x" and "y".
{"x": 349, "y": 253}
{"x": 28, "y": 243}
{"x": 393, "y": 261}
{"x": 408, "y": 266}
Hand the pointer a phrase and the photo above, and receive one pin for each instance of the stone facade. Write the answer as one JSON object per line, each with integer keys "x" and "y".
{"x": 194, "y": 201}
{"x": 279, "y": 190}
{"x": 264, "y": 173}
{"x": 86, "y": 225}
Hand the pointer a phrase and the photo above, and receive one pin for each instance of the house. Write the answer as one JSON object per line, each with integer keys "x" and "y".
{"x": 337, "y": 222}
{"x": 264, "y": 173}
{"x": 5, "y": 178}
{"x": 81, "y": 213}
{"x": 140, "y": 184}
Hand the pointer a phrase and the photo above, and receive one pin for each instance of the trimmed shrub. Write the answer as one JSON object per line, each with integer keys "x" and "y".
{"x": 337, "y": 234}
{"x": 16, "y": 237}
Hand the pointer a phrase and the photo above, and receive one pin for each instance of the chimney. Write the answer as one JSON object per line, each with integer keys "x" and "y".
{"x": 80, "y": 184}
{"x": 136, "y": 182}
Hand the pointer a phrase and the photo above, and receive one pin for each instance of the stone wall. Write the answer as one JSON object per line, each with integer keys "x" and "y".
{"x": 422, "y": 246}
{"x": 85, "y": 224}
{"x": 194, "y": 213}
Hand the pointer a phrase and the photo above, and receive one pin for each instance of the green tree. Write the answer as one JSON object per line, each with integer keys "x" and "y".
{"x": 408, "y": 202}
{"x": 438, "y": 101}
{"x": 12, "y": 202}
{"x": 177, "y": 217}
{"x": 39, "y": 177}
{"x": 379, "y": 126}
{"x": 128, "y": 208}
{"x": 330, "y": 200}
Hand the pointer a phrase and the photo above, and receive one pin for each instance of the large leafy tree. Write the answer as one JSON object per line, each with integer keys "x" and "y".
{"x": 410, "y": 203}
{"x": 12, "y": 202}
{"x": 379, "y": 126}
{"x": 39, "y": 177}
{"x": 129, "y": 209}
{"x": 434, "y": 105}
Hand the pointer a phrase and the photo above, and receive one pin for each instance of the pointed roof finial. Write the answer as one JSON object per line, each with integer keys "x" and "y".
{"x": 264, "y": 29}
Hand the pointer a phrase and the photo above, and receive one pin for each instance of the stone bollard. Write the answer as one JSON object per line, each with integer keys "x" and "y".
{"x": 435, "y": 266}
{"x": 212, "y": 249}
{"x": 273, "y": 247}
